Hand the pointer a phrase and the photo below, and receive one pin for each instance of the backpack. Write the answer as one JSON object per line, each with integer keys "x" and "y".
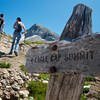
{"x": 19, "y": 28}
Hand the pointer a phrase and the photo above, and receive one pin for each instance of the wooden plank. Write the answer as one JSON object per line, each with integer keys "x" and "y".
{"x": 65, "y": 87}
{"x": 82, "y": 56}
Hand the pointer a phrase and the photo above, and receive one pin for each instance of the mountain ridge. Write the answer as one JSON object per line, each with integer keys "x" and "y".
{"x": 41, "y": 31}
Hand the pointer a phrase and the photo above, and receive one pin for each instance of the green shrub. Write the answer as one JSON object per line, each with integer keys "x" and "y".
{"x": 5, "y": 65}
{"x": 86, "y": 84}
{"x": 37, "y": 90}
{"x": 83, "y": 97}
{"x": 88, "y": 78}
{"x": 22, "y": 67}
{"x": 44, "y": 76}
{"x": 85, "y": 90}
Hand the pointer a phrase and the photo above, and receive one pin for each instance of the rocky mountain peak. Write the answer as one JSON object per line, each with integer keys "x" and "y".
{"x": 41, "y": 31}
{"x": 39, "y": 28}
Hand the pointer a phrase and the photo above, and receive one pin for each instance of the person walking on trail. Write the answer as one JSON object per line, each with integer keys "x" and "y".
{"x": 18, "y": 26}
{"x": 1, "y": 23}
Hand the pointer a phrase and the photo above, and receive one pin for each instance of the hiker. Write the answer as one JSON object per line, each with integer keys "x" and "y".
{"x": 1, "y": 23}
{"x": 18, "y": 26}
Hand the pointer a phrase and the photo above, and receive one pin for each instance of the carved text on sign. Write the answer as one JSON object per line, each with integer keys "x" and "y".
{"x": 56, "y": 57}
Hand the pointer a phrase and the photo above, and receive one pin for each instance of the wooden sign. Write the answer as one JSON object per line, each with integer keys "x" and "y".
{"x": 82, "y": 56}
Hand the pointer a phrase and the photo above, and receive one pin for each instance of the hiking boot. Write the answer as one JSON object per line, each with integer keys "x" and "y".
{"x": 10, "y": 53}
{"x": 16, "y": 53}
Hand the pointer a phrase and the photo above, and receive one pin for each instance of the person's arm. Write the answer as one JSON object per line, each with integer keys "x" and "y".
{"x": 24, "y": 28}
{"x": 2, "y": 27}
{"x": 14, "y": 25}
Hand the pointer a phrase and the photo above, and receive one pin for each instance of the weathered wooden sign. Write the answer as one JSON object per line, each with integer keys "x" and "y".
{"x": 61, "y": 57}
{"x": 82, "y": 56}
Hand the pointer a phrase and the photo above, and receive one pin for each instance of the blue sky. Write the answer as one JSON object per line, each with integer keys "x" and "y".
{"x": 52, "y": 14}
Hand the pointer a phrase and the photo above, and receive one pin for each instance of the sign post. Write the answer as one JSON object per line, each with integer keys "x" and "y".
{"x": 67, "y": 64}
{"x": 65, "y": 87}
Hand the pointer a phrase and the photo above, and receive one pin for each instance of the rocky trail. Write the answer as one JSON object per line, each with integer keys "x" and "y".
{"x": 15, "y": 61}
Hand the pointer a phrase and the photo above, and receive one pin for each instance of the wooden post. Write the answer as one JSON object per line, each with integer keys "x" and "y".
{"x": 65, "y": 87}
{"x": 69, "y": 86}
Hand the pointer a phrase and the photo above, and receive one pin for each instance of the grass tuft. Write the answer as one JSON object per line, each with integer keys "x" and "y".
{"x": 44, "y": 76}
{"x": 37, "y": 90}
{"x": 34, "y": 42}
{"x": 88, "y": 78}
{"x": 83, "y": 97}
{"x": 86, "y": 83}
{"x": 22, "y": 67}
{"x": 5, "y": 65}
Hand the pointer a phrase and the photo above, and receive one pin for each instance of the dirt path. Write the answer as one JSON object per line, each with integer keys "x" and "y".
{"x": 13, "y": 60}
